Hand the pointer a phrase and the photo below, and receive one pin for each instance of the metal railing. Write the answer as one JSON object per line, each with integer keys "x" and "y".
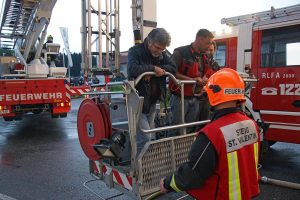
{"x": 180, "y": 83}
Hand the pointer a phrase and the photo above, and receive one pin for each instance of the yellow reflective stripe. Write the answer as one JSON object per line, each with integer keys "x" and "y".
{"x": 173, "y": 185}
{"x": 233, "y": 177}
{"x": 255, "y": 146}
{"x": 256, "y": 152}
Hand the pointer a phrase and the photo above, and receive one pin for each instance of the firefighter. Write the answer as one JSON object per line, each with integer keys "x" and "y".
{"x": 212, "y": 66}
{"x": 222, "y": 162}
{"x": 190, "y": 62}
{"x": 210, "y": 60}
{"x": 49, "y": 57}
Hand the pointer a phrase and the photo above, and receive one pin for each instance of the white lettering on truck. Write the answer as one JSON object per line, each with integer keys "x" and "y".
{"x": 284, "y": 89}
{"x": 23, "y": 97}
{"x": 29, "y": 97}
{"x": 59, "y": 95}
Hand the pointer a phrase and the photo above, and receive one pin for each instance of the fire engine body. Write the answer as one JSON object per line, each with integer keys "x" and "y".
{"x": 267, "y": 45}
{"x": 19, "y": 96}
{"x": 28, "y": 84}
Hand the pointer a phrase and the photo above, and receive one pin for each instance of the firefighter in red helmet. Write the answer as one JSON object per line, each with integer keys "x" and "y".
{"x": 222, "y": 162}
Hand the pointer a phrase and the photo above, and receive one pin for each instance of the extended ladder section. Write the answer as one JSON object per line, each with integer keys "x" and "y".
{"x": 17, "y": 17}
{"x": 144, "y": 18}
{"x": 100, "y": 31}
{"x": 266, "y": 17}
{"x": 22, "y": 23}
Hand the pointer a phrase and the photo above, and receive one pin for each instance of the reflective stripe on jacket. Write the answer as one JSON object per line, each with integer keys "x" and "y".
{"x": 235, "y": 138}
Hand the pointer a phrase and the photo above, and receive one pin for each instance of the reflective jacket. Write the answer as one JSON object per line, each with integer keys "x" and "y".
{"x": 235, "y": 138}
{"x": 190, "y": 64}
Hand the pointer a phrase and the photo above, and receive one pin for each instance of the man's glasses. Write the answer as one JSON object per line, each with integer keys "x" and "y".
{"x": 158, "y": 47}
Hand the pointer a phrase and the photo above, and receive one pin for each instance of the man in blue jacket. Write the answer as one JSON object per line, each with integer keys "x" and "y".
{"x": 150, "y": 56}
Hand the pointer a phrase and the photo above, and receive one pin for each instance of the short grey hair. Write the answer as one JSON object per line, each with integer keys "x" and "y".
{"x": 159, "y": 36}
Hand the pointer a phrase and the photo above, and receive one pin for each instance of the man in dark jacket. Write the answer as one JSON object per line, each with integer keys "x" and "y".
{"x": 150, "y": 56}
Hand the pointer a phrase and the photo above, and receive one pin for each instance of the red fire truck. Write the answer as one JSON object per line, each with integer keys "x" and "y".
{"x": 29, "y": 79}
{"x": 267, "y": 44}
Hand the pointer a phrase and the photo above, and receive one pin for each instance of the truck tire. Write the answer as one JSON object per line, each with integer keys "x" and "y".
{"x": 63, "y": 115}
{"x": 8, "y": 119}
{"x": 271, "y": 143}
{"x": 54, "y": 115}
{"x": 18, "y": 117}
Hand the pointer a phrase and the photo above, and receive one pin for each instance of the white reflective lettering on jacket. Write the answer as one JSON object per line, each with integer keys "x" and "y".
{"x": 239, "y": 134}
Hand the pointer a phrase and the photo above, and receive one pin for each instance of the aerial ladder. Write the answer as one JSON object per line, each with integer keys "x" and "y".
{"x": 23, "y": 22}
{"x": 101, "y": 33}
{"x": 243, "y": 26}
{"x": 269, "y": 17}
{"x": 27, "y": 83}
{"x": 100, "y": 37}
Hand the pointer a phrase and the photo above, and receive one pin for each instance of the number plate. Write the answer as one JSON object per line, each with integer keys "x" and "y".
{"x": 4, "y": 112}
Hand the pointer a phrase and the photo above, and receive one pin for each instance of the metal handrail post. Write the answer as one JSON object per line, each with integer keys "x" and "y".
{"x": 182, "y": 107}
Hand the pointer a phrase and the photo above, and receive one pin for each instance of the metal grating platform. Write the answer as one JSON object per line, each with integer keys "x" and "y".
{"x": 157, "y": 160}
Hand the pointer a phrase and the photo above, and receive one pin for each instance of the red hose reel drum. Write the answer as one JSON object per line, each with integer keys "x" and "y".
{"x": 106, "y": 116}
{"x": 93, "y": 124}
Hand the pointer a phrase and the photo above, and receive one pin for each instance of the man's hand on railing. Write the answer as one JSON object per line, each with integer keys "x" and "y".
{"x": 159, "y": 71}
{"x": 200, "y": 81}
{"x": 142, "y": 76}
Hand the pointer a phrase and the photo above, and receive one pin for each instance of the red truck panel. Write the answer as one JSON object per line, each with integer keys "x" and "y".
{"x": 231, "y": 51}
{"x": 27, "y": 91}
{"x": 277, "y": 90}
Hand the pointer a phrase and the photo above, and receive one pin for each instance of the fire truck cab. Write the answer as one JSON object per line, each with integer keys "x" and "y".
{"x": 267, "y": 45}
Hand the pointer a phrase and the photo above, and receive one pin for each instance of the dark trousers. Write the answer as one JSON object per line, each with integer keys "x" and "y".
{"x": 204, "y": 109}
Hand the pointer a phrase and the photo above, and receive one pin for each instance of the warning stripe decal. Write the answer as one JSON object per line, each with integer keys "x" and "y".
{"x": 119, "y": 178}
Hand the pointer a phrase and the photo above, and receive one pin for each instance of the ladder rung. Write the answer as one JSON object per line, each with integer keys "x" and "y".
{"x": 263, "y": 16}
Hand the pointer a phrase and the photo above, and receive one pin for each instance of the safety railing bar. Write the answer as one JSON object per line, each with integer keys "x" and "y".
{"x": 102, "y": 93}
{"x": 119, "y": 123}
{"x": 98, "y": 85}
{"x": 187, "y": 81}
{"x": 115, "y": 83}
{"x": 108, "y": 84}
{"x": 175, "y": 126}
{"x": 139, "y": 78}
